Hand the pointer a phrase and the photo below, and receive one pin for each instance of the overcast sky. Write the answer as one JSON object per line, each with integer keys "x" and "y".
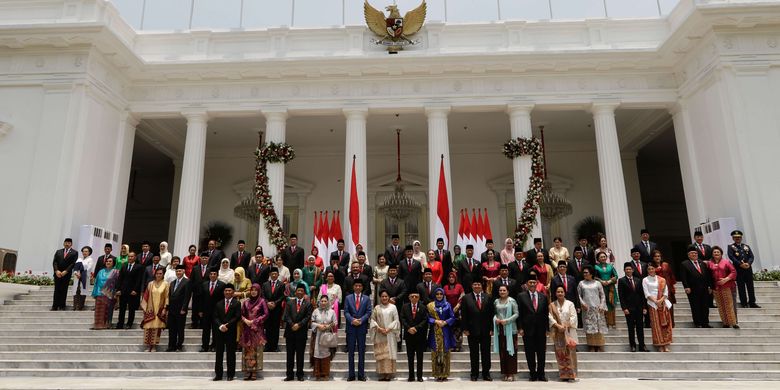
{"x": 227, "y": 14}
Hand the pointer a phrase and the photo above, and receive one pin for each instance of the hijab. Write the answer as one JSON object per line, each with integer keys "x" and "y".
{"x": 226, "y": 275}
{"x": 163, "y": 245}
{"x": 254, "y": 302}
{"x": 440, "y": 304}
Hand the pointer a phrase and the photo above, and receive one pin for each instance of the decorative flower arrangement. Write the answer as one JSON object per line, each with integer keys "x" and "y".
{"x": 270, "y": 153}
{"x": 524, "y": 147}
{"x": 27, "y": 278}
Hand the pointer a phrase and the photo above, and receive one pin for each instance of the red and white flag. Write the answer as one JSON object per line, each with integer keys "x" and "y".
{"x": 335, "y": 231}
{"x": 442, "y": 223}
{"x": 480, "y": 233}
{"x": 354, "y": 213}
{"x": 474, "y": 236}
{"x": 488, "y": 232}
{"x": 315, "y": 239}
{"x": 461, "y": 225}
{"x": 322, "y": 247}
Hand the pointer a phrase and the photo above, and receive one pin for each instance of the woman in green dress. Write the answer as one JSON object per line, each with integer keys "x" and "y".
{"x": 606, "y": 274}
{"x": 311, "y": 275}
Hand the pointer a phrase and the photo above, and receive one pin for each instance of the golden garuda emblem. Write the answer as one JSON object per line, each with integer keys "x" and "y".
{"x": 394, "y": 30}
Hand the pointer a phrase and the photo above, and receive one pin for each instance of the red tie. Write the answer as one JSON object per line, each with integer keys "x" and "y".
{"x": 227, "y": 306}
{"x": 429, "y": 288}
{"x": 633, "y": 287}
{"x": 211, "y": 289}
{"x": 696, "y": 263}
{"x": 479, "y": 302}
{"x": 639, "y": 267}
{"x": 257, "y": 269}
{"x": 414, "y": 311}
{"x": 565, "y": 283}
{"x": 701, "y": 249}
{"x": 536, "y": 303}
{"x": 409, "y": 265}
{"x": 273, "y": 286}
{"x": 298, "y": 306}
{"x": 202, "y": 271}
{"x": 357, "y": 302}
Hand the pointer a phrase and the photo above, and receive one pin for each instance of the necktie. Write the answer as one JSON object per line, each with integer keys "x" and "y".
{"x": 361, "y": 269}
{"x": 579, "y": 265}
{"x": 357, "y": 302}
{"x": 536, "y": 303}
{"x": 202, "y": 271}
{"x": 273, "y": 286}
{"x": 701, "y": 249}
{"x": 175, "y": 285}
{"x": 227, "y": 305}
{"x": 565, "y": 283}
{"x": 585, "y": 251}
{"x": 130, "y": 269}
{"x": 506, "y": 282}
{"x": 479, "y": 301}
{"x": 696, "y": 264}
{"x": 639, "y": 267}
{"x": 429, "y": 287}
{"x": 414, "y": 311}
{"x": 409, "y": 266}
{"x": 392, "y": 282}
{"x": 633, "y": 287}
{"x": 257, "y": 269}
{"x": 471, "y": 265}
{"x": 298, "y": 306}
{"x": 647, "y": 246}
{"x": 211, "y": 289}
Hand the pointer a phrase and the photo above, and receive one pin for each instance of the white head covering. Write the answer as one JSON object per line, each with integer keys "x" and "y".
{"x": 226, "y": 275}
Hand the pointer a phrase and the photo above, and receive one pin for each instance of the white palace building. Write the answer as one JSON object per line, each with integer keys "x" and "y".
{"x": 142, "y": 117}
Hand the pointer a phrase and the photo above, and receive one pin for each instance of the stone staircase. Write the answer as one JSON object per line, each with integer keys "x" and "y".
{"x": 37, "y": 342}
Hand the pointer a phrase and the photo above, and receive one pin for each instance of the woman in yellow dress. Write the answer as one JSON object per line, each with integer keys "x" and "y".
{"x": 153, "y": 305}
{"x": 243, "y": 285}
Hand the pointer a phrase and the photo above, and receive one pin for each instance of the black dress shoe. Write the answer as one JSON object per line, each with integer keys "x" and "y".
{"x": 532, "y": 379}
{"x": 230, "y": 378}
{"x": 633, "y": 348}
{"x": 288, "y": 379}
{"x": 170, "y": 349}
{"x": 419, "y": 379}
{"x": 362, "y": 379}
{"x": 487, "y": 378}
{"x": 754, "y": 306}
{"x": 706, "y": 326}
{"x": 643, "y": 349}
{"x": 473, "y": 379}
{"x": 300, "y": 379}
{"x": 351, "y": 379}
{"x": 735, "y": 326}
{"x": 203, "y": 350}
{"x": 543, "y": 379}
{"x": 118, "y": 327}
{"x": 410, "y": 380}
{"x": 744, "y": 306}
{"x": 217, "y": 378}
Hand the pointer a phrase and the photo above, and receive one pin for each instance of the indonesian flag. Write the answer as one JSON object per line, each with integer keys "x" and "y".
{"x": 315, "y": 239}
{"x": 335, "y": 233}
{"x": 461, "y": 225}
{"x": 481, "y": 232}
{"x": 466, "y": 230}
{"x": 474, "y": 236}
{"x": 332, "y": 234}
{"x": 324, "y": 238}
{"x": 354, "y": 213}
{"x": 487, "y": 231}
{"x": 442, "y": 227}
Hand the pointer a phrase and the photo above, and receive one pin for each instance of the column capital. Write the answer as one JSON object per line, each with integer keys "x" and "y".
{"x": 676, "y": 108}
{"x": 131, "y": 119}
{"x": 196, "y": 115}
{"x": 435, "y": 110}
{"x": 355, "y": 112}
{"x": 607, "y": 107}
{"x": 275, "y": 113}
{"x": 519, "y": 108}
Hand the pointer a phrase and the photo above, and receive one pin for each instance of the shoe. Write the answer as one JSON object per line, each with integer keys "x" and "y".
{"x": 735, "y": 326}
{"x": 230, "y": 378}
{"x": 217, "y": 378}
{"x": 473, "y": 379}
{"x": 706, "y": 326}
{"x": 633, "y": 348}
{"x": 744, "y": 305}
{"x": 487, "y": 378}
{"x": 53, "y": 309}
{"x": 754, "y": 306}
{"x": 532, "y": 379}
{"x": 643, "y": 349}
{"x": 410, "y": 380}
{"x": 203, "y": 350}
{"x": 129, "y": 326}
{"x": 288, "y": 379}
{"x": 170, "y": 350}
{"x": 118, "y": 327}
{"x": 362, "y": 379}
{"x": 420, "y": 379}
{"x": 300, "y": 379}
{"x": 350, "y": 379}
{"x": 543, "y": 379}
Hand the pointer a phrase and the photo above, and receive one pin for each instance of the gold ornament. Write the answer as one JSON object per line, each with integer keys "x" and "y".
{"x": 394, "y": 31}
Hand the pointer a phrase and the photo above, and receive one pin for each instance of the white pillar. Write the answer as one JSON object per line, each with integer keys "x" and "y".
{"x": 275, "y": 130}
{"x": 689, "y": 164}
{"x": 177, "y": 163}
{"x": 191, "y": 187}
{"x": 521, "y": 127}
{"x": 613, "y": 186}
{"x": 438, "y": 146}
{"x": 122, "y": 165}
{"x": 356, "y": 149}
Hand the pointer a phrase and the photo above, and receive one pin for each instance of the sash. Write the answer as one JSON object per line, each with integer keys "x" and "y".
{"x": 662, "y": 318}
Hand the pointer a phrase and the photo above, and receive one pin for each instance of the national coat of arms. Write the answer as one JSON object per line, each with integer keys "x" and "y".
{"x": 394, "y": 30}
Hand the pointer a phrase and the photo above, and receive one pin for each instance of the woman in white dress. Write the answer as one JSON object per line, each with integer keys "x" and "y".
{"x": 558, "y": 252}
{"x": 82, "y": 273}
{"x": 508, "y": 253}
{"x": 225, "y": 274}
{"x": 333, "y": 291}
{"x": 594, "y": 304}
{"x": 170, "y": 271}
{"x": 658, "y": 305}
{"x": 380, "y": 274}
{"x": 418, "y": 254}
{"x": 323, "y": 320}
{"x": 284, "y": 272}
{"x": 165, "y": 256}
{"x": 385, "y": 329}
{"x": 563, "y": 326}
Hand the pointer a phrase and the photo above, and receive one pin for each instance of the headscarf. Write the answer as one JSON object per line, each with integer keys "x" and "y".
{"x": 441, "y": 304}
{"x": 455, "y": 274}
{"x": 415, "y": 251}
{"x": 163, "y": 251}
{"x": 239, "y": 272}
{"x": 253, "y": 303}
{"x": 226, "y": 275}
{"x": 294, "y": 283}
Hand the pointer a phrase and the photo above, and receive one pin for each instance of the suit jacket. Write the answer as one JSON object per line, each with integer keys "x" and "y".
{"x": 707, "y": 255}
{"x": 363, "y": 313}
{"x": 590, "y": 255}
{"x": 426, "y": 297}
{"x": 130, "y": 280}
{"x": 243, "y": 261}
{"x": 294, "y": 316}
{"x": 392, "y": 256}
{"x": 258, "y": 277}
{"x": 343, "y": 260}
{"x": 418, "y": 321}
{"x": 534, "y": 323}
{"x": 101, "y": 262}
{"x": 631, "y": 298}
{"x": 571, "y": 291}
{"x": 231, "y": 318}
{"x": 411, "y": 275}
{"x": 518, "y": 270}
{"x": 643, "y": 274}
{"x": 149, "y": 275}
{"x": 480, "y": 321}
{"x": 739, "y": 254}
{"x": 469, "y": 272}
{"x": 215, "y": 258}
{"x": 368, "y": 271}
{"x": 514, "y": 288}
{"x": 397, "y": 290}
{"x": 349, "y": 281}
{"x": 140, "y": 259}
{"x": 65, "y": 263}
{"x": 338, "y": 274}
{"x": 277, "y": 296}
{"x": 209, "y": 299}
{"x": 293, "y": 259}
{"x": 446, "y": 262}
{"x": 693, "y": 279}
{"x": 530, "y": 256}
{"x": 179, "y": 300}
{"x": 573, "y": 270}
{"x": 196, "y": 280}
{"x": 644, "y": 253}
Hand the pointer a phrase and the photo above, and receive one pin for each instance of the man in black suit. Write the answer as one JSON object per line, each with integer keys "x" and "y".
{"x": 146, "y": 256}
{"x": 366, "y": 270}
{"x": 101, "y": 261}
{"x": 697, "y": 281}
{"x": 414, "y": 319}
{"x": 518, "y": 269}
{"x": 533, "y": 310}
{"x": 394, "y": 252}
{"x": 646, "y": 247}
{"x": 639, "y": 266}
{"x": 477, "y": 307}
{"x": 355, "y": 274}
{"x": 705, "y": 251}
{"x": 484, "y": 256}
{"x": 215, "y": 255}
{"x": 149, "y": 272}
{"x": 342, "y": 256}
{"x": 394, "y": 286}
{"x": 179, "y": 295}
{"x": 260, "y": 271}
{"x": 273, "y": 292}
{"x": 410, "y": 270}
{"x": 211, "y": 292}
{"x": 632, "y": 301}
{"x": 63, "y": 263}
{"x": 577, "y": 264}
{"x": 504, "y": 280}
{"x": 199, "y": 275}
{"x": 227, "y": 313}
{"x": 469, "y": 270}
{"x": 129, "y": 290}
{"x": 587, "y": 252}
{"x": 293, "y": 254}
{"x": 444, "y": 256}
{"x": 531, "y": 254}
{"x": 338, "y": 273}
{"x": 427, "y": 287}
{"x": 296, "y": 331}
{"x": 241, "y": 257}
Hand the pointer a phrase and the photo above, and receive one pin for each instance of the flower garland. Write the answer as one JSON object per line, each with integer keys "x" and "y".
{"x": 270, "y": 153}
{"x": 524, "y": 147}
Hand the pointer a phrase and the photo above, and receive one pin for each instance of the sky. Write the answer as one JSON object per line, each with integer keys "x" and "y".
{"x": 167, "y": 15}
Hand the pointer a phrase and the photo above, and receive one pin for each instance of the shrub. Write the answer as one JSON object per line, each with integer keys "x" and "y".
{"x": 27, "y": 278}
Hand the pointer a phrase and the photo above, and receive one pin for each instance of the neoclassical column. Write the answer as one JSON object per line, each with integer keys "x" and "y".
{"x": 275, "y": 131}
{"x": 191, "y": 185}
{"x": 356, "y": 151}
{"x": 438, "y": 146}
{"x": 613, "y": 186}
{"x": 521, "y": 127}
{"x": 122, "y": 163}
{"x": 689, "y": 163}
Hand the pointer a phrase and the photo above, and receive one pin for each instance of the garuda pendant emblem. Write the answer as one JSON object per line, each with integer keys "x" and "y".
{"x": 393, "y": 30}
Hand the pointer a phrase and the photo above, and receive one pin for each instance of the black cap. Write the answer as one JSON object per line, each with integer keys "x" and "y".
{"x": 357, "y": 281}
{"x": 489, "y": 241}
{"x": 736, "y": 233}
{"x": 692, "y": 248}
{"x": 181, "y": 266}
{"x": 635, "y": 250}
{"x": 577, "y": 249}
{"x": 204, "y": 254}
{"x": 439, "y": 240}
{"x": 518, "y": 249}
{"x": 503, "y": 266}
{"x": 408, "y": 248}
{"x": 67, "y": 239}
{"x": 562, "y": 263}
{"x": 392, "y": 266}
{"x": 394, "y": 236}
{"x": 108, "y": 245}
{"x": 241, "y": 242}
{"x": 427, "y": 271}
{"x": 230, "y": 286}
{"x": 274, "y": 269}
{"x": 469, "y": 246}
{"x": 537, "y": 240}
{"x": 214, "y": 269}
{"x": 145, "y": 243}
{"x": 628, "y": 264}
{"x": 293, "y": 235}
{"x": 532, "y": 276}
{"x": 643, "y": 231}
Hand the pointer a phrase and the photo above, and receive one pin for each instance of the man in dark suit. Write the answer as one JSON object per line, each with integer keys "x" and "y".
{"x": 241, "y": 257}
{"x": 63, "y": 263}
{"x": 198, "y": 276}
{"x": 533, "y": 310}
{"x": 211, "y": 292}
{"x": 215, "y": 255}
{"x": 410, "y": 270}
{"x": 531, "y": 254}
{"x": 342, "y": 256}
{"x": 146, "y": 255}
{"x": 483, "y": 257}
{"x": 338, "y": 273}
{"x": 101, "y": 261}
{"x": 296, "y": 331}
{"x": 705, "y": 251}
{"x": 477, "y": 307}
{"x": 742, "y": 258}
{"x": 394, "y": 286}
{"x": 587, "y": 252}
{"x": 179, "y": 294}
{"x": 469, "y": 270}
{"x": 394, "y": 252}
{"x": 577, "y": 264}
{"x": 293, "y": 254}
{"x": 273, "y": 292}
{"x": 129, "y": 290}
{"x": 414, "y": 319}
{"x": 632, "y": 301}
{"x": 697, "y": 281}
{"x": 357, "y": 311}
{"x": 227, "y": 313}
{"x": 366, "y": 270}
{"x": 646, "y": 247}
{"x": 149, "y": 272}
{"x": 639, "y": 266}
{"x": 353, "y": 276}
{"x": 260, "y": 271}
{"x": 427, "y": 287}
{"x": 518, "y": 269}
{"x": 504, "y": 280}
{"x": 444, "y": 256}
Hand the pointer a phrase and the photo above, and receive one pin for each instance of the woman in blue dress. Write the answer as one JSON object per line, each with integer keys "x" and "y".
{"x": 440, "y": 337}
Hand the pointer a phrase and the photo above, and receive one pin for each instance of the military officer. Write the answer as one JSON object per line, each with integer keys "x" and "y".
{"x": 742, "y": 257}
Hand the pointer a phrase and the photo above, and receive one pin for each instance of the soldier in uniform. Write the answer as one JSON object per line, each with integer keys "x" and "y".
{"x": 742, "y": 257}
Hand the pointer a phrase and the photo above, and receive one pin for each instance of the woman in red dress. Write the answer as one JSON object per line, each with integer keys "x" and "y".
{"x": 190, "y": 261}
{"x": 437, "y": 270}
{"x": 453, "y": 292}
{"x": 664, "y": 270}
{"x": 490, "y": 270}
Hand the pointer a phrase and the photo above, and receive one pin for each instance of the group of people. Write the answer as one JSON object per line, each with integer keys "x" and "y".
{"x": 420, "y": 298}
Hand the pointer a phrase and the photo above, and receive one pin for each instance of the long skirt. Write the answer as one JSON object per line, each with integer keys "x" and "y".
{"x": 566, "y": 357}
{"x": 611, "y": 301}
{"x": 252, "y": 359}
{"x": 440, "y": 364}
{"x": 725, "y": 297}
{"x": 322, "y": 367}
{"x": 104, "y": 308}
{"x": 385, "y": 363}
{"x": 594, "y": 339}
{"x": 457, "y": 332}
{"x": 661, "y": 325}
{"x": 152, "y": 336}
{"x": 508, "y": 362}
